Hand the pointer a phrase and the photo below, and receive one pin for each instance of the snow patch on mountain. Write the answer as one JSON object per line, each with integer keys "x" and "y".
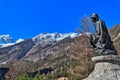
{"x": 19, "y": 40}
{"x": 53, "y": 37}
{"x": 5, "y": 45}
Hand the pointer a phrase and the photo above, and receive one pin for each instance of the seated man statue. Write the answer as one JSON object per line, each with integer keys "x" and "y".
{"x": 100, "y": 40}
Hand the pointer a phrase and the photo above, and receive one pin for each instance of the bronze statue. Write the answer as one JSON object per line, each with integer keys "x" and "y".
{"x": 100, "y": 40}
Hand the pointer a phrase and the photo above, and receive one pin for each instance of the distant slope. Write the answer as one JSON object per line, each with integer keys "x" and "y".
{"x": 115, "y": 35}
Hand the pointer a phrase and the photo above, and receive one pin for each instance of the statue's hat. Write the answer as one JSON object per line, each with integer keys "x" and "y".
{"x": 94, "y": 15}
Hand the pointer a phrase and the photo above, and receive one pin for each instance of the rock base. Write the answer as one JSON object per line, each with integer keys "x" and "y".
{"x": 106, "y": 68}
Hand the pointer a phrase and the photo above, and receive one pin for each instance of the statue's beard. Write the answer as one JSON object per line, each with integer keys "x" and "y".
{"x": 95, "y": 20}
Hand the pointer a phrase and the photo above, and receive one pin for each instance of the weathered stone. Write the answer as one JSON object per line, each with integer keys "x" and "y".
{"x": 106, "y": 58}
{"x": 106, "y": 68}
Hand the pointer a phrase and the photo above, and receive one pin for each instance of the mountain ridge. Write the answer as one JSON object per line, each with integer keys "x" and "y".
{"x": 7, "y": 40}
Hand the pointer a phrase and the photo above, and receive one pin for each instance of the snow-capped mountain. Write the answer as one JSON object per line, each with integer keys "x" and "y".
{"x": 43, "y": 38}
{"x": 19, "y": 40}
{"x": 4, "y": 39}
{"x": 7, "y": 40}
{"x": 25, "y": 47}
{"x": 53, "y": 37}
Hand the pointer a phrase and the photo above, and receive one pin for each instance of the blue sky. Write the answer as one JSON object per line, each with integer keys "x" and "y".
{"x": 27, "y": 18}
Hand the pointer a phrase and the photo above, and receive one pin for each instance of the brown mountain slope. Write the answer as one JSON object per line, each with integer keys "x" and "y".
{"x": 69, "y": 58}
{"x": 66, "y": 58}
{"x": 115, "y": 35}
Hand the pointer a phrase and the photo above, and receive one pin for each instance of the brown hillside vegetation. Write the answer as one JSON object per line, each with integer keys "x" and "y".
{"x": 115, "y": 35}
{"x": 69, "y": 58}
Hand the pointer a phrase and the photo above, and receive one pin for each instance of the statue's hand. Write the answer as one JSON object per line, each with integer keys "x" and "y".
{"x": 100, "y": 39}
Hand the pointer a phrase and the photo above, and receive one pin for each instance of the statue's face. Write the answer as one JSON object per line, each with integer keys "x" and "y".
{"x": 93, "y": 19}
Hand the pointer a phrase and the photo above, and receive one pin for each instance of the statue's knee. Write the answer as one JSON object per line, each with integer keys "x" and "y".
{"x": 91, "y": 37}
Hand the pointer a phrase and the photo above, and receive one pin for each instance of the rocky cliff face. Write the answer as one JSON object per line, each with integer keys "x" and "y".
{"x": 115, "y": 35}
{"x": 15, "y": 52}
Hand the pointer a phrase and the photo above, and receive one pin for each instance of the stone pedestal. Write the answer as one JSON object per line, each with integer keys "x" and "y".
{"x": 106, "y": 68}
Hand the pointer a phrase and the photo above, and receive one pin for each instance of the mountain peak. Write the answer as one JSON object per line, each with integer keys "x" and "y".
{"x": 53, "y": 37}
{"x": 4, "y": 39}
{"x": 42, "y": 38}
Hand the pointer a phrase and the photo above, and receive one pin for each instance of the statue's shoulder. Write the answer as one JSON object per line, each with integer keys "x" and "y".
{"x": 100, "y": 22}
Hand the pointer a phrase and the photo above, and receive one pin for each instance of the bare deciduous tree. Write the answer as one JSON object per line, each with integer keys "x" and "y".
{"x": 85, "y": 27}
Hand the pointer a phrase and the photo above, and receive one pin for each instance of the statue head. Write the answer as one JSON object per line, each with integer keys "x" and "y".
{"x": 94, "y": 17}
